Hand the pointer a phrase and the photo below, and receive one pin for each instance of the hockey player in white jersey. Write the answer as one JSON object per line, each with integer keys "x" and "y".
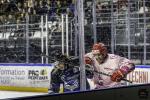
{"x": 101, "y": 61}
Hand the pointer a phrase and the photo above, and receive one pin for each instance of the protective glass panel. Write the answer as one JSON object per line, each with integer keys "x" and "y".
{"x": 63, "y": 34}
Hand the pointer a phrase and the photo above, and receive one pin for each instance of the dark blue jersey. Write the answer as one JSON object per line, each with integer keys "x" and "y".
{"x": 69, "y": 77}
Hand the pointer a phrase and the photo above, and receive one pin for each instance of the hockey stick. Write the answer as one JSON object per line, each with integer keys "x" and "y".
{"x": 110, "y": 76}
{"x": 102, "y": 73}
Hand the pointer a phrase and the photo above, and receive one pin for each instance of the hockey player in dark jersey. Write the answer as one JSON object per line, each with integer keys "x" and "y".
{"x": 65, "y": 77}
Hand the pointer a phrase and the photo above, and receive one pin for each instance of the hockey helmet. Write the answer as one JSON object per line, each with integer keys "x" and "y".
{"x": 99, "y": 51}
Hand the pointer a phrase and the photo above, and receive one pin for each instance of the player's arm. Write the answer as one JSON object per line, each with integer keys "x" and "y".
{"x": 55, "y": 80}
{"x": 89, "y": 67}
{"x": 125, "y": 66}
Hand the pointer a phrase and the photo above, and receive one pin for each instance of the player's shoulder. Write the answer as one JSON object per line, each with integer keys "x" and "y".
{"x": 88, "y": 55}
{"x": 113, "y": 56}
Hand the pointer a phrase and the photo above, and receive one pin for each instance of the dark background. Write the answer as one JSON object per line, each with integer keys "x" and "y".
{"x": 138, "y": 92}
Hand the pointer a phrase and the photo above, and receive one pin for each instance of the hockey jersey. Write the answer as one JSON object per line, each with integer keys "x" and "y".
{"x": 112, "y": 63}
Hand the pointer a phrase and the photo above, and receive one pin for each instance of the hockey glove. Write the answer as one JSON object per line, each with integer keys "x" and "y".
{"x": 89, "y": 71}
{"x": 117, "y": 75}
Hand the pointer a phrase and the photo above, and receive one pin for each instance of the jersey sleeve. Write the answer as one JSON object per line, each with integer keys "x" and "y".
{"x": 89, "y": 66}
{"x": 126, "y": 65}
{"x": 88, "y": 59}
{"x": 55, "y": 80}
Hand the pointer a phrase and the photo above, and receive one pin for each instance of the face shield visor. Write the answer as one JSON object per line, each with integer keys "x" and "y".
{"x": 61, "y": 65}
{"x": 98, "y": 56}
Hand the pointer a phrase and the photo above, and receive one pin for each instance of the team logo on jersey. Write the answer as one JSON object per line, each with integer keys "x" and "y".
{"x": 71, "y": 85}
{"x": 107, "y": 68}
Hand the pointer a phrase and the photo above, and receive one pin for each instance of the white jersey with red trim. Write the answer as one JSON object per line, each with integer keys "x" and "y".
{"x": 111, "y": 64}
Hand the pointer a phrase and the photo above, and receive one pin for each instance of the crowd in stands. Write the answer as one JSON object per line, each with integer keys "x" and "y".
{"x": 12, "y": 11}
{"x": 15, "y": 11}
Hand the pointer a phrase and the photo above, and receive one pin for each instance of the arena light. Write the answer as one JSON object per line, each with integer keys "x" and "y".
{"x": 141, "y": 10}
{"x": 115, "y": 1}
{"x": 137, "y": 34}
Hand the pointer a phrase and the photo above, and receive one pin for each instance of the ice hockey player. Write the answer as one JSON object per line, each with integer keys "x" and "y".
{"x": 101, "y": 61}
{"x": 65, "y": 77}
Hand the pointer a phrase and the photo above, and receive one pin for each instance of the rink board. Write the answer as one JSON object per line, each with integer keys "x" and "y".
{"x": 141, "y": 75}
{"x": 36, "y": 77}
{"x": 25, "y": 77}
{"x": 100, "y": 93}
